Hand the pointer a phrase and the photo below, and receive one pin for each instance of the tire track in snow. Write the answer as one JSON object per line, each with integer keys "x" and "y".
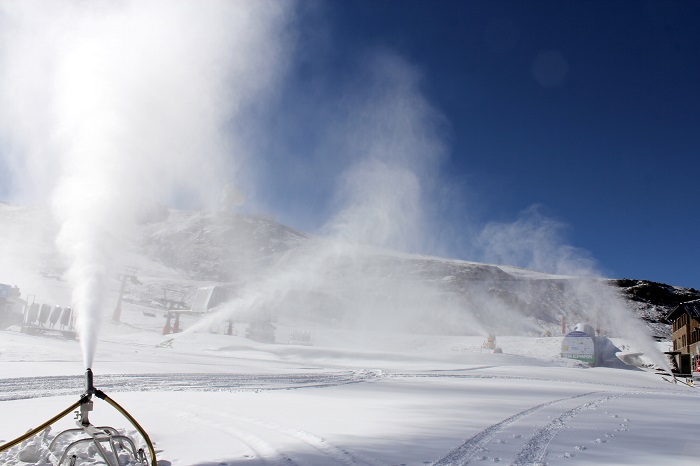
{"x": 535, "y": 449}
{"x": 625, "y": 386}
{"x": 463, "y": 453}
{"x": 38, "y": 387}
{"x": 340, "y": 455}
{"x": 262, "y": 450}
{"x": 256, "y": 435}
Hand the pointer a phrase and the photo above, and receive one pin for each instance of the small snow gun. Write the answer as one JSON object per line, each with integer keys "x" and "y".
{"x": 112, "y": 447}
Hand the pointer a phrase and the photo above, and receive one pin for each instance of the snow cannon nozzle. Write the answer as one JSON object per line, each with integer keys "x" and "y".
{"x": 89, "y": 386}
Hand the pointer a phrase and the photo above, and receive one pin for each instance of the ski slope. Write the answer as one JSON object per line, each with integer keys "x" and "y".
{"x": 214, "y": 400}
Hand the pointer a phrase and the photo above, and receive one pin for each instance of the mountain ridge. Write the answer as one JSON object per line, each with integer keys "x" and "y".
{"x": 197, "y": 248}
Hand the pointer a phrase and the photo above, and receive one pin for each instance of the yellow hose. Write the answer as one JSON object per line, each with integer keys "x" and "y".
{"x": 43, "y": 426}
{"x": 75, "y": 405}
{"x": 138, "y": 427}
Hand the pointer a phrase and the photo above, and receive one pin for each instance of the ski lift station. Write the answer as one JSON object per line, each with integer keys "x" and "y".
{"x": 208, "y": 297}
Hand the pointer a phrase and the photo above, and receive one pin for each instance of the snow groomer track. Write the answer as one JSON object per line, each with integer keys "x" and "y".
{"x": 38, "y": 387}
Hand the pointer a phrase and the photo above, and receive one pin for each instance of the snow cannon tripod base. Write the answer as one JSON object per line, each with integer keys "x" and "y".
{"x": 111, "y": 446}
{"x": 104, "y": 443}
{"x": 115, "y": 449}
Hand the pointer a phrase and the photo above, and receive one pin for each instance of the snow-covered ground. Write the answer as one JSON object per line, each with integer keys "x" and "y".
{"x": 212, "y": 399}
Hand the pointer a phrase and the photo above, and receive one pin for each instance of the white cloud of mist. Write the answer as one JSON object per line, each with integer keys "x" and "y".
{"x": 382, "y": 206}
{"x": 536, "y": 242}
{"x": 386, "y": 142}
{"x": 112, "y": 107}
{"x": 391, "y": 134}
{"x": 373, "y": 157}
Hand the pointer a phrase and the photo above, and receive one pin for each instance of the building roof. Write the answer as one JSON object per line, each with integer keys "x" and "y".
{"x": 692, "y": 308}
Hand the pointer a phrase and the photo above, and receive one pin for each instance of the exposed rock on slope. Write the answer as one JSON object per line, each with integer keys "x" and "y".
{"x": 652, "y": 301}
{"x": 217, "y": 247}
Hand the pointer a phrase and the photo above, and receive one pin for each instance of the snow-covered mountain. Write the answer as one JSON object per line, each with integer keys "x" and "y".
{"x": 222, "y": 247}
{"x": 306, "y": 277}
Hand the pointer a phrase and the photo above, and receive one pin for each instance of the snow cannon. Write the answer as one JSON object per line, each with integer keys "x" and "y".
{"x": 584, "y": 345}
{"x": 580, "y": 344}
{"x": 89, "y": 443}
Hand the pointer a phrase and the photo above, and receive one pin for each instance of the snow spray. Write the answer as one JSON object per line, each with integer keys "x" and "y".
{"x": 380, "y": 205}
{"x": 344, "y": 285}
{"x": 536, "y": 242}
{"x": 112, "y": 108}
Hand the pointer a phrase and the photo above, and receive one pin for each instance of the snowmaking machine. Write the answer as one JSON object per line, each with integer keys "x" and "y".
{"x": 104, "y": 443}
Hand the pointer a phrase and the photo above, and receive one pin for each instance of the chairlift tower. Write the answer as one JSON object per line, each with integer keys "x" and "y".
{"x": 129, "y": 274}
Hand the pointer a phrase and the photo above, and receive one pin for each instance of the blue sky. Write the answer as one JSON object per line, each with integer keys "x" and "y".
{"x": 588, "y": 110}
{"x": 579, "y": 119}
